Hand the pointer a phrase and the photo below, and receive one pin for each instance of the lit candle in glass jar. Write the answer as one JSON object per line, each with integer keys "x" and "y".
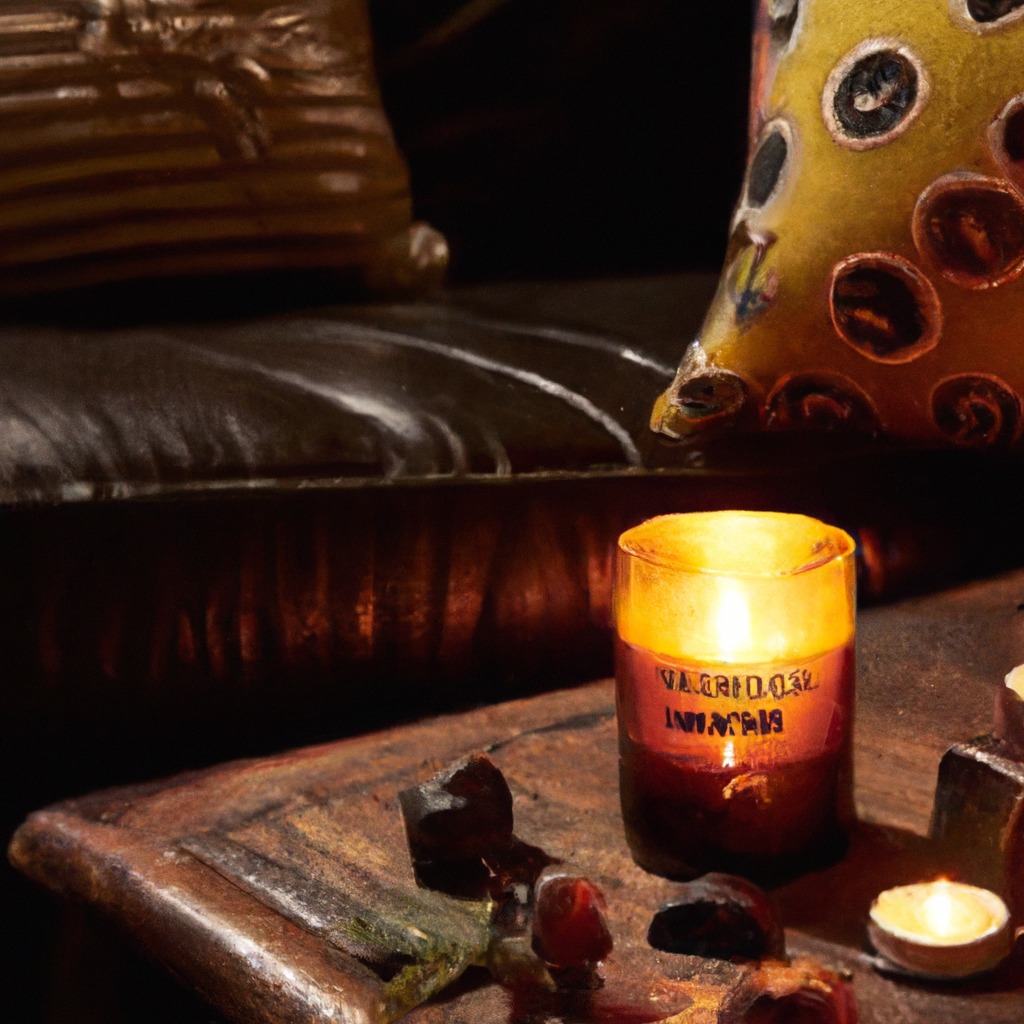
{"x": 735, "y": 673}
{"x": 942, "y": 928}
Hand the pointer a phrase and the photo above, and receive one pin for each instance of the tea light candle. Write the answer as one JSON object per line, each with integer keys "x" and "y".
{"x": 944, "y": 929}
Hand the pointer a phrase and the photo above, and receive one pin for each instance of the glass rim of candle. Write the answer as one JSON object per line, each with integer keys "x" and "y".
{"x": 686, "y": 542}
{"x": 992, "y": 903}
{"x": 735, "y": 587}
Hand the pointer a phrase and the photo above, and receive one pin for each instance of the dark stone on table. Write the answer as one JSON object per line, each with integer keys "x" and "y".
{"x": 464, "y": 811}
{"x": 719, "y": 916}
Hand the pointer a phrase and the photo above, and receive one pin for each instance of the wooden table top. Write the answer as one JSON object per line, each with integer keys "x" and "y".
{"x": 927, "y": 674}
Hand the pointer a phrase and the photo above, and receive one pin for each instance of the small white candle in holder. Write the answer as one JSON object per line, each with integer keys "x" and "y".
{"x": 942, "y": 929}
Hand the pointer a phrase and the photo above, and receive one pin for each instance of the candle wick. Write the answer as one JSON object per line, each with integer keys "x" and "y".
{"x": 729, "y": 755}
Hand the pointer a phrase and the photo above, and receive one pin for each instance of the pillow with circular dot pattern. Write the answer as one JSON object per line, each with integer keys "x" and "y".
{"x": 874, "y": 279}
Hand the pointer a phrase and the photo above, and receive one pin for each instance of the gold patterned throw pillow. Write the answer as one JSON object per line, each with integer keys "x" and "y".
{"x": 155, "y": 137}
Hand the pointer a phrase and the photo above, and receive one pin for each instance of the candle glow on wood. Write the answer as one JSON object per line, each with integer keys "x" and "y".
{"x": 942, "y": 928}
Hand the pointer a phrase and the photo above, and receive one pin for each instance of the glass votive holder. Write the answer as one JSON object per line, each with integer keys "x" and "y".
{"x": 735, "y": 692}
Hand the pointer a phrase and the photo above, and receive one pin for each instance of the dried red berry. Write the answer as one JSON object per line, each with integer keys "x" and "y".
{"x": 569, "y": 929}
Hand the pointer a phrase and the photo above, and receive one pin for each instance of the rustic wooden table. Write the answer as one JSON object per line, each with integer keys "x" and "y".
{"x": 928, "y": 669}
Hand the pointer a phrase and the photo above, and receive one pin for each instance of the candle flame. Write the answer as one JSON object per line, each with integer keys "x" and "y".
{"x": 729, "y": 755}
{"x": 733, "y": 623}
{"x": 938, "y": 913}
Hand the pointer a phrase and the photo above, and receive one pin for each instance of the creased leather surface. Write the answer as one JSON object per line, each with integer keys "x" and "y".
{"x": 462, "y": 386}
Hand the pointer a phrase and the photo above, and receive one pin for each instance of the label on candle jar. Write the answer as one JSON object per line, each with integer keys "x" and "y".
{"x": 733, "y": 714}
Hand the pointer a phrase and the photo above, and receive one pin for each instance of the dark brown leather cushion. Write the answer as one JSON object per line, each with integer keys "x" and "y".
{"x": 487, "y": 382}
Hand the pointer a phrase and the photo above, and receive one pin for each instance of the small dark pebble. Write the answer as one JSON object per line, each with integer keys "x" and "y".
{"x": 463, "y": 812}
{"x": 719, "y": 916}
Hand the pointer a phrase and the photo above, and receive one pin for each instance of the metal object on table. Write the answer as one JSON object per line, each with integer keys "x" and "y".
{"x": 979, "y": 818}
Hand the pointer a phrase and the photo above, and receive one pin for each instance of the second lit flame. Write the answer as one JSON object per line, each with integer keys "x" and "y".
{"x": 938, "y": 913}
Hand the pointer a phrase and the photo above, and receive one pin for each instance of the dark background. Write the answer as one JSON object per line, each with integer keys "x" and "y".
{"x": 562, "y": 138}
